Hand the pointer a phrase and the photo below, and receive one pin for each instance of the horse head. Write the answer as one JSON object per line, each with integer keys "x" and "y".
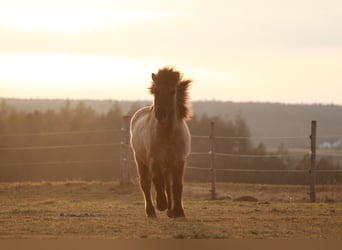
{"x": 164, "y": 89}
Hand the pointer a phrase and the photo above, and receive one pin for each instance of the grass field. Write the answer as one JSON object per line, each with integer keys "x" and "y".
{"x": 104, "y": 210}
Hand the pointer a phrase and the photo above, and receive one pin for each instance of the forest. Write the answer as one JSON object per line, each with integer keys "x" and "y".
{"x": 76, "y": 142}
{"x": 263, "y": 119}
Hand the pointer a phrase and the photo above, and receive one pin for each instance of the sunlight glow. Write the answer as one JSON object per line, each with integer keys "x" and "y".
{"x": 59, "y": 67}
{"x": 66, "y": 21}
{"x": 99, "y": 77}
{"x": 62, "y": 75}
{"x": 263, "y": 50}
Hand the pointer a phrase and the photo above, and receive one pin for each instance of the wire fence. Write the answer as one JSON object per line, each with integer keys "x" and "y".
{"x": 60, "y": 146}
{"x": 125, "y": 158}
{"x": 301, "y": 152}
{"x": 73, "y": 132}
{"x": 46, "y": 163}
{"x": 293, "y": 153}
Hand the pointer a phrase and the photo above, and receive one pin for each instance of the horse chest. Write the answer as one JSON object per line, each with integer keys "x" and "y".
{"x": 165, "y": 146}
{"x": 167, "y": 149}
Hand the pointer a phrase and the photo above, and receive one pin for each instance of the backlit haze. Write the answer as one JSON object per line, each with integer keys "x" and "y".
{"x": 257, "y": 50}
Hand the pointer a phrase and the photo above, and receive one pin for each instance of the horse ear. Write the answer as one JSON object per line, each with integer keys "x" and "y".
{"x": 152, "y": 88}
{"x": 154, "y": 77}
{"x": 177, "y": 75}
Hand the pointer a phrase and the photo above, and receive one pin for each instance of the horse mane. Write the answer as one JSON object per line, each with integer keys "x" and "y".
{"x": 183, "y": 99}
{"x": 169, "y": 77}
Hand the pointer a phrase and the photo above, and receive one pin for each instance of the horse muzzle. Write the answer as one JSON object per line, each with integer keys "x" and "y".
{"x": 160, "y": 116}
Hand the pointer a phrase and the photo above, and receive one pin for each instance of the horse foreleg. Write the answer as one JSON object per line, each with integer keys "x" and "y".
{"x": 145, "y": 183}
{"x": 169, "y": 195}
{"x": 177, "y": 191}
{"x": 159, "y": 184}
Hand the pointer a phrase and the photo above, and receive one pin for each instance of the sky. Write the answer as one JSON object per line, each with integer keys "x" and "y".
{"x": 248, "y": 50}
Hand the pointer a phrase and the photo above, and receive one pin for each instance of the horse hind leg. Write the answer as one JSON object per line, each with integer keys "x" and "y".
{"x": 145, "y": 184}
{"x": 177, "y": 191}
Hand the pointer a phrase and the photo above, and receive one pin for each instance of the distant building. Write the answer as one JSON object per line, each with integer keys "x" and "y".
{"x": 331, "y": 145}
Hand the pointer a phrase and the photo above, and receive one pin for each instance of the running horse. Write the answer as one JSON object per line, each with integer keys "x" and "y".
{"x": 161, "y": 140}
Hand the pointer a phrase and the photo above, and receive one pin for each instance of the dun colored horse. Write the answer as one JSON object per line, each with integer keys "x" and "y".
{"x": 160, "y": 140}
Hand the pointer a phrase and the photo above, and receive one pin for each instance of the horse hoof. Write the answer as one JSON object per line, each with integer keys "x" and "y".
{"x": 161, "y": 205}
{"x": 161, "y": 202}
{"x": 173, "y": 214}
{"x": 152, "y": 216}
{"x": 150, "y": 213}
{"x": 169, "y": 213}
{"x": 178, "y": 214}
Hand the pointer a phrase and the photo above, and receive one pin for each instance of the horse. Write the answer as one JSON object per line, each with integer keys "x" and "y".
{"x": 161, "y": 142}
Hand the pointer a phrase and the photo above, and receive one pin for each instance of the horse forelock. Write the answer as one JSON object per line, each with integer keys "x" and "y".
{"x": 169, "y": 78}
{"x": 166, "y": 77}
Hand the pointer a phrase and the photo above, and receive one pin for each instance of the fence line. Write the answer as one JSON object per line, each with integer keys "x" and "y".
{"x": 57, "y": 162}
{"x": 187, "y": 167}
{"x": 63, "y": 133}
{"x": 298, "y": 153}
{"x": 200, "y": 153}
{"x": 252, "y": 137}
{"x": 125, "y": 152}
{"x": 193, "y": 136}
{"x": 250, "y": 170}
{"x": 261, "y": 137}
{"x": 329, "y": 136}
{"x": 312, "y": 153}
{"x": 250, "y": 156}
{"x": 328, "y": 170}
{"x": 321, "y": 153}
{"x": 197, "y": 168}
{"x": 61, "y": 146}
{"x": 247, "y": 156}
{"x": 328, "y": 154}
{"x": 200, "y": 136}
{"x": 263, "y": 170}
{"x": 272, "y": 170}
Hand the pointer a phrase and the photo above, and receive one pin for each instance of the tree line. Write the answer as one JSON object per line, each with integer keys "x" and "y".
{"x": 263, "y": 119}
{"x": 38, "y": 145}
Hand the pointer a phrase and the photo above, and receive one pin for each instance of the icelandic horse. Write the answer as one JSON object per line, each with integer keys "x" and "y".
{"x": 161, "y": 142}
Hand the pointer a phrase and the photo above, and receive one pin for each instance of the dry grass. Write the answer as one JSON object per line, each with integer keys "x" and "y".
{"x": 107, "y": 211}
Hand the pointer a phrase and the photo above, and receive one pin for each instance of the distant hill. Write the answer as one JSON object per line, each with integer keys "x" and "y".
{"x": 263, "y": 119}
{"x": 281, "y": 120}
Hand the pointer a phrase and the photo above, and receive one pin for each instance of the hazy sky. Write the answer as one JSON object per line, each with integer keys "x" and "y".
{"x": 252, "y": 50}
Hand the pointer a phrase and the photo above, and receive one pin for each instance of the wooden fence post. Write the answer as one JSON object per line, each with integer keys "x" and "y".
{"x": 313, "y": 162}
{"x": 125, "y": 151}
{"x": 212, "y": 158}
